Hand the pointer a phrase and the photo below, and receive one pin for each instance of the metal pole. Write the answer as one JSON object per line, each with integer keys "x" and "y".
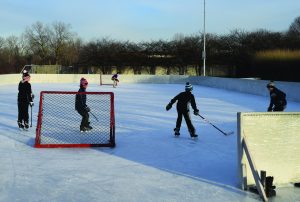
{"x": 204, "y": 51}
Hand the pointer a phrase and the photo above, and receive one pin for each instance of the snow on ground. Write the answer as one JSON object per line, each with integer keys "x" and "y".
{"x": 147, "y": 164}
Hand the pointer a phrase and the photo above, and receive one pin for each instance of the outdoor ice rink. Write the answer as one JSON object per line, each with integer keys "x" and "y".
{"x": 147, "y": 165}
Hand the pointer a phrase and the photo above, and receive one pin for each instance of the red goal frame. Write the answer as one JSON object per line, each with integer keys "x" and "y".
{"x": 40, "y": 116}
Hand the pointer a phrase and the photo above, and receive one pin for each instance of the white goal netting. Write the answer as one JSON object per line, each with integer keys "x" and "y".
{"x": 59, "y": 122}
{"x": 274, "y": 143}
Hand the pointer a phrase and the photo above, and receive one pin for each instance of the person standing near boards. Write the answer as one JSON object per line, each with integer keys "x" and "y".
{"x": 277, "y": 98}
{"x": 25, "y": 99}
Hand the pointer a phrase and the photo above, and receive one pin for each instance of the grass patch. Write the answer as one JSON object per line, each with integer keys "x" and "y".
{"x": 283, "y": 55}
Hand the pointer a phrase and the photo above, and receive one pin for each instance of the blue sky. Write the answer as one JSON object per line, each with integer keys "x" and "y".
{"x": 145, "y": 20}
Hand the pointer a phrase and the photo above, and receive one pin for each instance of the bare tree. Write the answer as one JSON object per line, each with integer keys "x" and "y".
{"x": 295, "y": 27}
{"x": 10, "y": 57}
{"x": 2, "y": 42}
{"x": 12, "y": 47}
{"x": 60, "y": 39}
{"x": 38, "y": 37}
{"x": 72, "y": 52}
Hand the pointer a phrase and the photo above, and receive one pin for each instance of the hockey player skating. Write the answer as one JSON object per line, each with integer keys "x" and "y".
{"x": 184, "y": 99}
{"x": 115, "y": 79}
{"x": 81, "y": 107}
{"x": 277, "y": 98}
{"x": 25, "y": 98}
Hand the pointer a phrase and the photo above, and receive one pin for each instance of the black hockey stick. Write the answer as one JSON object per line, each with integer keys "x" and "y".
{"x": 30, "y": 116}
{"x": 32, "y": 97}
{"x": 229, "y": 133}
{"x": 94, "y": 116}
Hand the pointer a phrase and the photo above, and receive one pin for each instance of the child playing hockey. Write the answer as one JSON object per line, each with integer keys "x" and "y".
{"x": 25, "y": 98}
{"x": 115, "y": 79}
{"x": 277, "y": 98}
{"x": 81, "y": 107}
{"x": 184, "y": 99}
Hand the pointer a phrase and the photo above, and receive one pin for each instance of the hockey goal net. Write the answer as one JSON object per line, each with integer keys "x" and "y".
{"x": 58, "y": 122}
{"x": 105, "y": 79}
{"x": 273, "y": 139}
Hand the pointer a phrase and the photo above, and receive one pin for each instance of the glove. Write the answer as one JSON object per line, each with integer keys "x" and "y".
{"x": 168, "y": 107}
{"x": 196, "y": 112}
{"x": 31, "y": 104}
{"x": 87, "y": 109}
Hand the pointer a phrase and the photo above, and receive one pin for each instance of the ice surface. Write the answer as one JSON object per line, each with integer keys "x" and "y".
{"x": 147, "y": 164}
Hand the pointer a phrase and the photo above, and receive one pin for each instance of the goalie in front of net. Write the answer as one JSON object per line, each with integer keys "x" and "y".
{"x": 81, "y": 107}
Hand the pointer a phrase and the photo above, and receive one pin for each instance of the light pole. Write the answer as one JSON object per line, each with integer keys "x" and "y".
{"x": 204, "y": 51}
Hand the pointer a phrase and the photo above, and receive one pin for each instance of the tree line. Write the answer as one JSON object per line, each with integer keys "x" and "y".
{"x": 261, "y": 53}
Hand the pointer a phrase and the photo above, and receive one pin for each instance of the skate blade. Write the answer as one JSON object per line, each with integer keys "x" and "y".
{"x": 85, "y": 131}
{"x": 23, "y": 129}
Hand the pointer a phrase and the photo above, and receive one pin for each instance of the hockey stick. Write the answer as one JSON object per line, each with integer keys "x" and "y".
{"x": 94, "y": 116}
{"x": 229, "y": 133}
{"x": 32, "y": 97}
{"x": 31, "y": 116}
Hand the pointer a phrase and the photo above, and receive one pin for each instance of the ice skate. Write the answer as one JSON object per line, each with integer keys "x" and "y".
{"x": 26, "y": 126}
{"x": 21, "y": 126}
{"x": 176, "y": 132}
{"x": 194, "y": 137}
{"x": 83, "y": 129}
{"x": 88, "y": 127}
{"x": 193, "y": 134}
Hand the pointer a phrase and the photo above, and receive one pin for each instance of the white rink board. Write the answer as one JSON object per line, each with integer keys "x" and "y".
{"x": 274, "y": 143}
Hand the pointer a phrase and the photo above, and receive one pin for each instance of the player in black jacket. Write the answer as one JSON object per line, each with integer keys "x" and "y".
{"x": 184, "y": 99}
{"x": 81, "y": 107}
{"x": 277, "y": 98}
{"x": 25, "y": 98}
{"x": 115, "y": 79}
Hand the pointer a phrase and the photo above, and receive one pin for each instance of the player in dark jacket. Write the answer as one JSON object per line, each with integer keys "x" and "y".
{"x": 184, "y": 99}
{"x": 277, "y": 98}
{"x": 115, "y": 79}
{"x": 25, "y": 98}
{"x": 81, "y": 107}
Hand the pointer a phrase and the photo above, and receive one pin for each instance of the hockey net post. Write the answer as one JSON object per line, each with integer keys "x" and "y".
{"x": 254, "y": 170}
{"x": 269, "y": 141}
{"x": 58, "y": 123}
{"x": 26, "y": 68}
{"x": 105, "y": 80}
